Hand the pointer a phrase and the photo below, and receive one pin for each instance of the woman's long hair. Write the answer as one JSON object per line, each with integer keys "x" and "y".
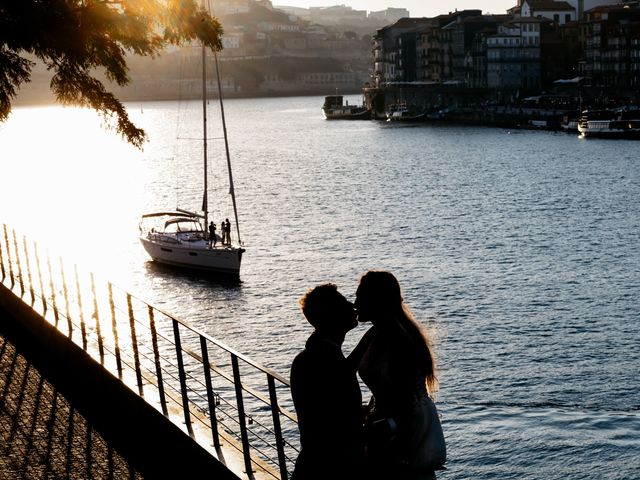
{"x": 385, "y": 289}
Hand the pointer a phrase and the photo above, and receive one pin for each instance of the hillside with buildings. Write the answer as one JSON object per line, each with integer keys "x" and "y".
{"x": 268, "y": 50}
{"x": 271, "y": 50}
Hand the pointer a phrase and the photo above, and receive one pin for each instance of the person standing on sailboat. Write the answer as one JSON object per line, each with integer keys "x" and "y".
{"x": 226, "y": 229}
{"x": 223, "y": 232}
{"x": 212, "y": 234}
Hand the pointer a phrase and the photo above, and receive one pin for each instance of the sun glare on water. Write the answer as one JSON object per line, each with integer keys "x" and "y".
{"x": 67, "y": 181}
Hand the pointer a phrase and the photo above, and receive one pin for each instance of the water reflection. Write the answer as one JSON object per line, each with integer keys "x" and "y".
{"x": 194, "y": 278}
{"x": 512, "y": 249}
{"x": 69, "y": 182}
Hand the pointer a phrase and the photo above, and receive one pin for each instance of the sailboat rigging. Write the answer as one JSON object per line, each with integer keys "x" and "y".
{"x": 182, "y": 240}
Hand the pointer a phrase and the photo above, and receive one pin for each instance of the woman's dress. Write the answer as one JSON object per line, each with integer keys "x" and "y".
{"x": 417, "y": 446}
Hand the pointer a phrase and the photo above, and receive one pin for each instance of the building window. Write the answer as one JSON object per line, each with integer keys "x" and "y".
{"x": 556, "y": 17}
{"x": 567, "y": 18}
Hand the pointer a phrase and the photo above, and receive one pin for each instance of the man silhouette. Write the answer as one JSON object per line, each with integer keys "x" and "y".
{"x": 326, "y": 393}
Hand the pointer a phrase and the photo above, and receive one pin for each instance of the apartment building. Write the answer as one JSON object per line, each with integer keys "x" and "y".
{"x": 463, "y": 32}
{"x": 611, "y": 53}
{"x": 433, "y": 58}
{"x": 395, "y": 51}
{"x": 514, "y": 53}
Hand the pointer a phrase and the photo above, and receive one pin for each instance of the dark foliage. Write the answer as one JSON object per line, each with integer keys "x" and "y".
{"x": 77, "y": 38}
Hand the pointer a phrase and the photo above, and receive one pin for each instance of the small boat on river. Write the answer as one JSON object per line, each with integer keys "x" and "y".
{"x": 403, "y": 112}
{"x": 334, "y": 108}
{"x": 569, "y": 124}
{"x": 622, "y": 122}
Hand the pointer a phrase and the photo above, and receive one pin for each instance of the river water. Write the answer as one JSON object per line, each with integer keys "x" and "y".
{"x": 517, "y": 250}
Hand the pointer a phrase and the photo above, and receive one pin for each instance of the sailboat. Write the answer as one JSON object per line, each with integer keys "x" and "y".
{"x": 182, "y": 237}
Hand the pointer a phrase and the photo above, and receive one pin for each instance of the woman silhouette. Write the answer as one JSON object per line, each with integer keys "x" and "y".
{"x": 395, "y": 361}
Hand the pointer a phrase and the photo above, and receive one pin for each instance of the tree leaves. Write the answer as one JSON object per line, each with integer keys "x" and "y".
{"x": 14, "y": 70}
{"x": 77, "y": 38}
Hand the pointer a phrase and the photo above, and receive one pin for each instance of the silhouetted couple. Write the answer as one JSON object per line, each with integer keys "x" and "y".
{"x": 398, "y": 435}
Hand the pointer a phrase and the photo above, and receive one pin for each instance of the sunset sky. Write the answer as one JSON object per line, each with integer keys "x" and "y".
{"x": 417, "y": 8}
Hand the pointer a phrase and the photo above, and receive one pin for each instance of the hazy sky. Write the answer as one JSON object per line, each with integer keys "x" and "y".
{"x": 417, "y": 8}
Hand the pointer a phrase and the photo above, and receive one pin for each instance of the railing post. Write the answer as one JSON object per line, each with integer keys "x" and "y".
{"x": 183, "y": 377}
{"x": 96, "y": 315}
{"x": 83, "y": 328}
{"x": 156, "y": 357}
{"x": 4, "y": 274}
{"x": 6, "y": 242}
{"x": 42, "y": 292}
{"x": 28, "y": 265}
{"x": 134, "y": 345}
{"x": 56, "y": 315}
{"x": 277, "y": 430}
{"x": 65, "y": 293}
{"x": 210, "y": 395}
{"x": 15, "y": 246}
{"x": 237, "y": 381}
{"x": 114, "y": 329}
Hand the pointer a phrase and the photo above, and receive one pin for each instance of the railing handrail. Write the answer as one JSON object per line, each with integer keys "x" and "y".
{"x": 210, "y": 339}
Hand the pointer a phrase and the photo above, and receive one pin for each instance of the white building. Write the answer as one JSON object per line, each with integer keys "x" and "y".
{"x": 235, "y": 8}
{"x": 513, "y": 54}
{"x": 336, "y": 15}
{"x": 298, "y": 12}
{"x": 390, "y": 15}
{"x": 231, "y": 41}
{"x": 561, "y": 11}
{"x": 278, "y": 27}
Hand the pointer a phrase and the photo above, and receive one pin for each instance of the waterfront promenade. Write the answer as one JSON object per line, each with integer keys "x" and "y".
{"x": 54, "y": 399}
{"x": 42, "y": 435}
{"x": 95, "y": 383}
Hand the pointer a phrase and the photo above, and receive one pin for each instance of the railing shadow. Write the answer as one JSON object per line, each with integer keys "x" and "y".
{"x": 42, "y": 435}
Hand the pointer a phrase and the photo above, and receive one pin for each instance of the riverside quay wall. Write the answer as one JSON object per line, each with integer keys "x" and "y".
{"x": 484, "y": 106}
{"x": 429, "y": 98}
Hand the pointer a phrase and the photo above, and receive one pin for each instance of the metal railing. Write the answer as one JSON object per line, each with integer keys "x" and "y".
{"x": 215, "y": 394}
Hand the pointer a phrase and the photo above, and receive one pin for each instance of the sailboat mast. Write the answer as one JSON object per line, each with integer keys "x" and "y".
{"x": 226, "y": 147}
{"x": 205, "y": 200}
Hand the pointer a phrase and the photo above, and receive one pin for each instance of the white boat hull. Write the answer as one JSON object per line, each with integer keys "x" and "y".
{"x": 610, "y": 129}
{"x": 346, "y": 113}
{"x": 619, "y": 123}
{"x": 195, "y": 255}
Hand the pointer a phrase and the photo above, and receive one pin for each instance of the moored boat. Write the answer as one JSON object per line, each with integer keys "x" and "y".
{"x": 180, "y": 240}
{"x": 334, "y": 108}
{"x": 187, "y": 240}
{"x": 622, "y": 122}
{"x": 569, "y": 124}
{"x": 405, "y": 113}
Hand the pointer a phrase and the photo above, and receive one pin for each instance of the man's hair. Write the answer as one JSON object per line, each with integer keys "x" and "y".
{"x": 319, "y": 303}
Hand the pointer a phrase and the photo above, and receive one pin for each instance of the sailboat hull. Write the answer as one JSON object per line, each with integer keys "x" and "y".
{"x": 196, "y": 256}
